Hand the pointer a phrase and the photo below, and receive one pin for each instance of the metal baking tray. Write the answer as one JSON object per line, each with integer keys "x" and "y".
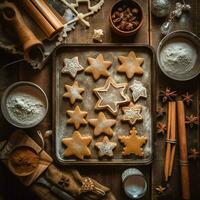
{"x": 60, "y": 105}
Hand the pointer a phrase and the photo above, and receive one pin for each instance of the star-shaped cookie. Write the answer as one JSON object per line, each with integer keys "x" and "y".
{"x": 133, "y": 143}
{"x": 111, "y": 96}
{"x": 102, "y": 125}
{"x": 105, "y": 147}
{"x": 130, "y": 65}
{"x": 73, "y": 92}
{"x": 138, "y": 90}
{"x": 71, "y": 66}
{"x": 76, "y": 117}
{"x": 132, "y": 113}
{"x": 77, "y": 145}
{"x": 98, "y": 67}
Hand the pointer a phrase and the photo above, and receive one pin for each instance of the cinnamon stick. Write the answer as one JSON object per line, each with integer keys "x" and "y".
{"x": 167, "y": 157}
{"x": 173, "y": 137}
{"x": 183, "y": 151}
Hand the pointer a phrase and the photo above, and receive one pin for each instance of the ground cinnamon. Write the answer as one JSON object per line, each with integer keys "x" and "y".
{"x": 23, "y": 160}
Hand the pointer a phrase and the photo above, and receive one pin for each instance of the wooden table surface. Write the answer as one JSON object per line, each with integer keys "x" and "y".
{"x": 10, "y": 188}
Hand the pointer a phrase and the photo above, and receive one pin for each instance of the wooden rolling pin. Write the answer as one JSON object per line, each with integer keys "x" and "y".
{"x": 33, "y": 47}
{"x": 185, "y": 182}
{"x": 43, "y": 16}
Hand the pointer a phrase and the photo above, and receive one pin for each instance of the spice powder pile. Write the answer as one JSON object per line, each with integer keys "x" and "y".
{"x": 24, "y": 160}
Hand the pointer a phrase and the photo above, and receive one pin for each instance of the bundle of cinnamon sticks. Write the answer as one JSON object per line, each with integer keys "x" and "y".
{"x": 171, "y": 139}
{"x": 171, "y": 142}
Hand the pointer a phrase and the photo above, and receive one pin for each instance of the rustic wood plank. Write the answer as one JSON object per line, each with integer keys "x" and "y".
{"x": 187, "y": 22}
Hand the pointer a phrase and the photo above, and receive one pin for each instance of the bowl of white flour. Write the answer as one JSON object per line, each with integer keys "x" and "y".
{"x": 178, "y": 55}
{"x": 24, "y": 104}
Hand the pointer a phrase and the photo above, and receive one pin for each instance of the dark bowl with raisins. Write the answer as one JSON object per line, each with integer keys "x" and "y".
{"x": 126, "y": 17}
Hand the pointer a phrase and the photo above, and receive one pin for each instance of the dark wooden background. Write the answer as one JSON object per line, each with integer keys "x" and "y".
{"x": 11, "y": 189}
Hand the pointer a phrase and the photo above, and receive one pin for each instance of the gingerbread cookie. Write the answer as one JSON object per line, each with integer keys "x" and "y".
{"x": 73, "y": 92}
{"x": 71, "y": 66}
{"x": 98, "y": 67}
{"x": 105, "y": 147}
{"x": 130, "y": 65}
{"x": 132, "y": 113}
{"x": 76, "y": 117}
{"x": 102, "y": 125}
{"x": 133, "y": 143}
{"x": 138, "y": 90}
{"x": 77, "y": 145}
{"x": 111, "y": 96}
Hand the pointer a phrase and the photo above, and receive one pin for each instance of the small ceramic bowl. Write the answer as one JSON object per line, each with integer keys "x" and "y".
{"x": 14, "y": 166}
{"x": 129, "y": 4}
{"x": 27, "y": 88}
{"x": 178, "y": 55}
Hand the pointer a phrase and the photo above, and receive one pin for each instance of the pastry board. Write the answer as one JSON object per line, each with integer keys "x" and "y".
{"x": 61, "y": 105}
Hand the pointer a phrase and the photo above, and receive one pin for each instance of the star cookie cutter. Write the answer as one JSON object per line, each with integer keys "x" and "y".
{"x": 115, "y": 96}
{"x": 88, "y": 186}
{"x": 76, "y": 16}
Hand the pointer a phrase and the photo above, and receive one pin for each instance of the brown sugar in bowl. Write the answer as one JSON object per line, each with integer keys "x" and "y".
{"x": 23, "y": 161}
{"x": 128, "y": 4}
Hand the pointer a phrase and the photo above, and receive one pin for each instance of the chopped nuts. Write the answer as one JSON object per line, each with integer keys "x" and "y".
{"x": 126, "y": 18}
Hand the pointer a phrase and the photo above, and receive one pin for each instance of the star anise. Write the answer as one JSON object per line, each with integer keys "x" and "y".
{"x": 161, "y": 128}
{"x": 64, "y": 182}
{"x": 160, "y": 112}
{"x": 192, "y": 120}
{"x": 167, "y": 95}
{"x": 187, "y": 98}
{"x": 160, "y": 189}
{"x": 193, "y": 154}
